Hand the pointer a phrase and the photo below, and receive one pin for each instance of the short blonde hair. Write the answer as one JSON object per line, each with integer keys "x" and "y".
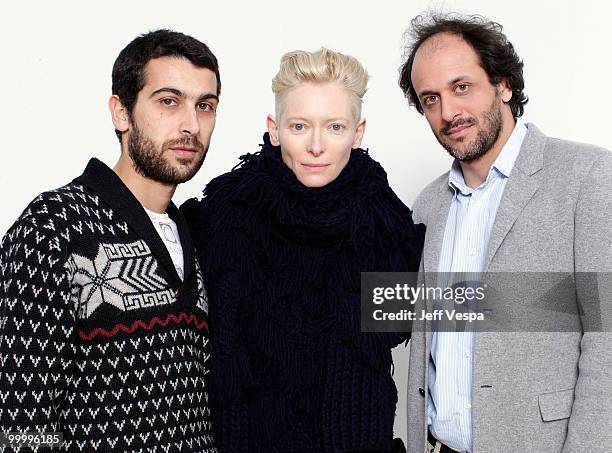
{"x": 324, "y": 65}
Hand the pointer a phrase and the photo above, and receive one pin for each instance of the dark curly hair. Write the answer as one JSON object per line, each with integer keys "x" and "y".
{"x": 128, "y": 71}
{"x": 497, "y": 55}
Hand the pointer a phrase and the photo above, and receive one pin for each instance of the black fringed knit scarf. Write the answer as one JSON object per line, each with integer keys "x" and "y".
{"x": 291, "y": 370}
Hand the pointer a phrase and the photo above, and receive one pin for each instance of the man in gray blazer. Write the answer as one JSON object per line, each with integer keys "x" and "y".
{"x": 514, "y": 200}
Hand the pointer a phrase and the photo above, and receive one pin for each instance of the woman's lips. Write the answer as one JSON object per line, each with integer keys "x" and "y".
{"x": 315, "y": 167}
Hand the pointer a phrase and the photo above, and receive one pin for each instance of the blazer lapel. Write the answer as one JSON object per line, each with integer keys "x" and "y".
{"x": 522, "y": 184}
{"x": 436, "y": 225}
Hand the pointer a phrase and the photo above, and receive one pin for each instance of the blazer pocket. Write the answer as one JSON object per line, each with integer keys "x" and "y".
{"x": 556, "y": 405}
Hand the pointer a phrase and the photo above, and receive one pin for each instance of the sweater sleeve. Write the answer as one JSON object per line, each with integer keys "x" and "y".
{"x": 230, "y": 375}
{"x": 36, "y": 328}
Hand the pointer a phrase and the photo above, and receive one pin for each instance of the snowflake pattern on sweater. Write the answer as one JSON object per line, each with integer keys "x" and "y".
{"x": 99, "y": 337}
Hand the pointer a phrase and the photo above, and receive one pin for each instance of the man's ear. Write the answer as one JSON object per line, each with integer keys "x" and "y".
{"x": 505, "y": 90}
{"x": 273, "y": 130}
{"x": 359, "y": 133}
{"x": 119, "y": 114}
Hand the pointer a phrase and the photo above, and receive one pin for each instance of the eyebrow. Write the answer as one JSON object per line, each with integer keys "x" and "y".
{"x": 458, "y": 79}
{"x": 426, "y": 93}
{"x": 179, "y": 93}
{"x": 450, "y": 83}
{"x": 300, "y": 118}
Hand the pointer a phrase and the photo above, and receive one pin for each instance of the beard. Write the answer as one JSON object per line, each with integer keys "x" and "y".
{"x": 486, "y": 137}
{"x": 150, "y": 162}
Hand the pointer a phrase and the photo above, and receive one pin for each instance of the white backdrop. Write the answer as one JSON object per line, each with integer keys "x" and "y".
{"x": 57, "y": 59}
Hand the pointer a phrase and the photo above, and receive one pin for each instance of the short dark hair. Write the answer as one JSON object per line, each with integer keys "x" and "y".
{"x": 497, "y": 55}
{"x": 128, "y": 70}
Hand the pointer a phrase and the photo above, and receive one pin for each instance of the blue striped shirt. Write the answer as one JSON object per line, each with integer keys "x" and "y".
{"x": 464, "y": 249}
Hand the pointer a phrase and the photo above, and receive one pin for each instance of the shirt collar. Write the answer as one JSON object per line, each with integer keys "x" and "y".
{"x": 503, "y": 164}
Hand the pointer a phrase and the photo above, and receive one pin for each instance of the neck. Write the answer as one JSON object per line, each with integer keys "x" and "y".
{"x": 475, "y": 172}
{"x": 153, "y": 195}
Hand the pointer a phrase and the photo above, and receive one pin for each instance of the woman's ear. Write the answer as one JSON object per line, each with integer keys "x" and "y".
{"x": 359, "y": 133}
{"x": 273, "y": 130}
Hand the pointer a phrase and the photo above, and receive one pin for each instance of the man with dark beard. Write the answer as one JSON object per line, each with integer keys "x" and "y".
{"x": 103, "y": 331}
{"x": 514, "y": 200}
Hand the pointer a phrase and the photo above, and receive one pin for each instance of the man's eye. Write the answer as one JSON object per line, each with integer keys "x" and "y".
{"x": 205, "y": 106}
{"x": 462, "y": 88}
{"x": 337, "y": 127}
{"x": 168, "y": 101}
{"x": 298, "y": 126}
{"x": 430, "y": 100}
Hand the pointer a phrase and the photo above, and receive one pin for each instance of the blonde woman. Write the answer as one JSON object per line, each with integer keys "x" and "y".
{"x": 282, "y": 241}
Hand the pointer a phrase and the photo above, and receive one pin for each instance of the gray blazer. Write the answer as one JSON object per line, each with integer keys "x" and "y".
{"x": 535, "y": 391}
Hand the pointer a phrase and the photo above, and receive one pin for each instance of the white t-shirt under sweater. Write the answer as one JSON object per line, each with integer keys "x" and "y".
{"x": 167, "y": 230}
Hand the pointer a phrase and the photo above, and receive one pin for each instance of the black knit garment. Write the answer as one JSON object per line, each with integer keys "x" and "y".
{"x": 99, "y": 337}
{"x": 291, "y": 371}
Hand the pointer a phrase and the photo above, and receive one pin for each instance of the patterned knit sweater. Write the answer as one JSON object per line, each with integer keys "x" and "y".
{"x": 99, "y": 338}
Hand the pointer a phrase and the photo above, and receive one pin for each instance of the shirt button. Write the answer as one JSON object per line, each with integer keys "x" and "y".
{"x": 468, "y": 406}
{"x": 472, "y": 252}
{"x": 466, "y": 355}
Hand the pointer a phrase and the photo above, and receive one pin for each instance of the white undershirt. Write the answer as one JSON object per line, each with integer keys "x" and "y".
{"x": 167, "y": 230}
